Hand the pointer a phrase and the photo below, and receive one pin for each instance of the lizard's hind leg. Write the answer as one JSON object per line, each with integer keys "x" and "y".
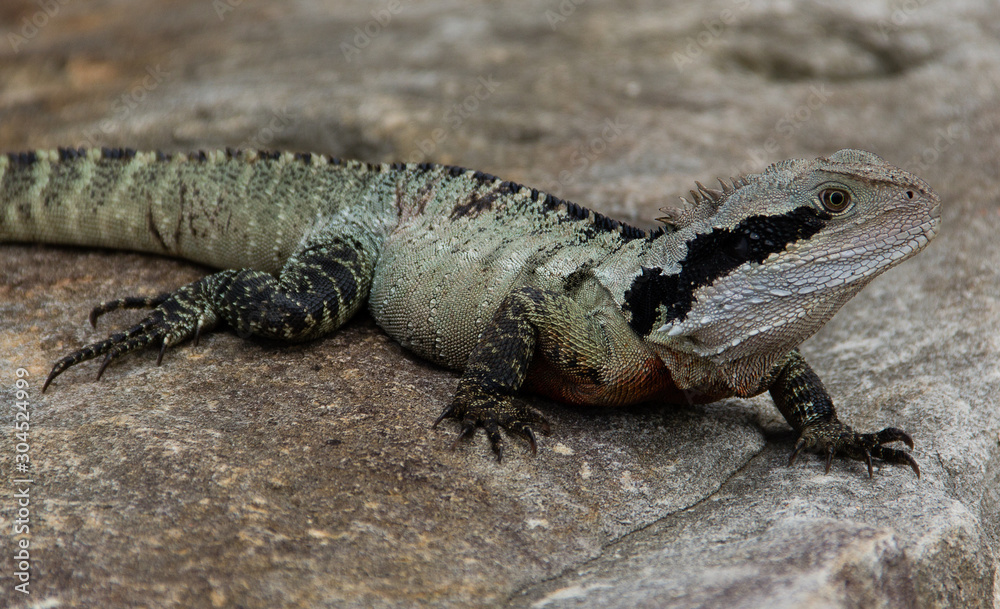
{"x": 318, "y": 289}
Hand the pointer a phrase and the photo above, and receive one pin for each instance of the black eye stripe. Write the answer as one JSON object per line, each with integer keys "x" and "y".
{"x": 713, "y": 255}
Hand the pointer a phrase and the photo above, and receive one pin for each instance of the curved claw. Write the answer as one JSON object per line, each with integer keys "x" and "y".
{"x": 868, "y": 462}
{"x": 912, "y": 463}
{"x": 892, "y": 434}
{"x": 531, "y": 440}
{"x": 104, "y": 365}
{"x": 795, "y": 453}
{"x": 492, "y": 432}
{"x": 523, "y": 428}
{"x": 447, "y": 412}
{"x": 496, "y": 443}
{"x": 163, "y": 349}
{"x": 88, "y": 352}
{"x": 468, "y": 430}
{"x": 891, "y": 455}
{"x": 56, "y": 371}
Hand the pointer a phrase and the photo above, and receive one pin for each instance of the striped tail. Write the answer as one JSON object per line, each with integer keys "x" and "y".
{"x": 222, "y": 208}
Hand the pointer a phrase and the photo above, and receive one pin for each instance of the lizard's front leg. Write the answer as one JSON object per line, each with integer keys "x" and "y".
{"x": 530, "y": 321}
{"x": 800, "y": 396}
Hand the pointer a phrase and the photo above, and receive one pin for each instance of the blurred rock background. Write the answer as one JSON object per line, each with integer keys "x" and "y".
{"x": 242, "y": 474}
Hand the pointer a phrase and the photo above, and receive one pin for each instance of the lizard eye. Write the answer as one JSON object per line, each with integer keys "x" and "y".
{"x": 835, "y": 200}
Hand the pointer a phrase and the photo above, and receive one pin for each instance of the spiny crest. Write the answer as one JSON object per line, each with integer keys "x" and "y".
{"x": 704, "y": 203}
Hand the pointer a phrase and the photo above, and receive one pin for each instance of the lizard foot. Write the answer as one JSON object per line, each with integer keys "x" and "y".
{"x": 491, "y": 413}
{"x": 175, "y": 317}
{"x": 832, "y": 437}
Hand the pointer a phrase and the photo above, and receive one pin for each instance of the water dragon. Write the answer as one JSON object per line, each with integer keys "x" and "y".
{"x": 517, "y": 289}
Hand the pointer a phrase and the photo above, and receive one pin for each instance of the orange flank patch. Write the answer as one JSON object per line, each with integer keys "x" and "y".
{"x": 649, "y": 380}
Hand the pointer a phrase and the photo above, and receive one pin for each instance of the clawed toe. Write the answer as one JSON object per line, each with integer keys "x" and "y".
{"x": 530, "y": 435}
{"x": 448, "y": 412}
{"x": 892, "y": 434}
{"x": 172, "y": 320}
{"x": 130, "y": 302}
{"x": 468, "y": 430}
{"x": 492, "y": 419}
{"x": 833, "y": 437}
{"x": 899, "y": 457}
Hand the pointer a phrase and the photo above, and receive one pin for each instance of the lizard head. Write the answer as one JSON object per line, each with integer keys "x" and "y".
{"x": 752, "y": 270}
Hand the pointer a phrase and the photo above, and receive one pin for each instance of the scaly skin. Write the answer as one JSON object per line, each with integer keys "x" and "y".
{"x": 516, "y": 288}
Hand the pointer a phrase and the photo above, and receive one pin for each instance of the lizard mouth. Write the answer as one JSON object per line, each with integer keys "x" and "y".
{"x": 863, "y": 258}
{"x": 910, "y": 226}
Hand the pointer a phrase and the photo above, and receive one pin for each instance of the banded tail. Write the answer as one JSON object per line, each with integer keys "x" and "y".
{"x": 222, "y": 208}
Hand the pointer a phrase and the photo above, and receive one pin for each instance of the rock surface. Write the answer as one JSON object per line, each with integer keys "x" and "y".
{"x": 243, "y": 474}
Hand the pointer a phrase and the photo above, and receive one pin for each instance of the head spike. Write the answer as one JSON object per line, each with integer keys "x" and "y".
{"x": 673, "y": 217}
{"x": 726, "y": 188}
{"x": 669, "y": 216}
{"x": 709, "y": 193}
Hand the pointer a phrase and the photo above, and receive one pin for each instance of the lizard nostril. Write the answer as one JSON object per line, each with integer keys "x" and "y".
{"x": 909, "y": 194}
